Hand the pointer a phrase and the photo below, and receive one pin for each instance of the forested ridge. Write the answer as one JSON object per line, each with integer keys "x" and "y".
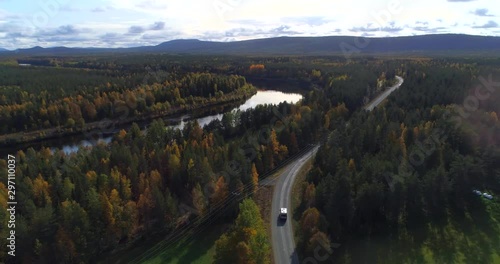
{"x": 436, "y": 44}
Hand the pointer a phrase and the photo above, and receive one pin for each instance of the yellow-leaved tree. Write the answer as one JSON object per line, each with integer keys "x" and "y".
{"x": 247, "y": 242}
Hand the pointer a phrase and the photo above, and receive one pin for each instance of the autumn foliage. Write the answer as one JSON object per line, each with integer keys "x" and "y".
{"x": 257, "y": 67}
{"x": 247, "y": 242}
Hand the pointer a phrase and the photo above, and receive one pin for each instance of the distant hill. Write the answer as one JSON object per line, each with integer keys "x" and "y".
{"x": 3, "y": 50}
{"x": 303, "y": 46}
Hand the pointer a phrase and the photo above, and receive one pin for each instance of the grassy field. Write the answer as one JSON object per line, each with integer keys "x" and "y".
{"x": 297, "y": 189}
{"x": 200, "y": 249}
{"x": 264, "y": 198}
{"x": 474, "y": 238}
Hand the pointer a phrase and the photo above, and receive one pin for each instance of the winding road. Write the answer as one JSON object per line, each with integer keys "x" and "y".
{"x": 375, "y": 102}
{"x": 282, "y": 232}
{"x": 283, "y": 242}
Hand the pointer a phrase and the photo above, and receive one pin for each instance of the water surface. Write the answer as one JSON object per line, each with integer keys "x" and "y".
{"x": 260, "y": 98}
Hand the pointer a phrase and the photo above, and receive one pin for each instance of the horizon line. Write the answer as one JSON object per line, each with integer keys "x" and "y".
{"x": 235, "y": 41}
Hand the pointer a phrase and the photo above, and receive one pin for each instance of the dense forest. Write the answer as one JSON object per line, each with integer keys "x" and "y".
{"x": 66, "y": 95}
{"x": 136, "y": 186}
{"x": 142, "y": 183}
{"x": 39, "y": 97}
{"x": 102, "y": 200}
{"x": 409, "y": 164}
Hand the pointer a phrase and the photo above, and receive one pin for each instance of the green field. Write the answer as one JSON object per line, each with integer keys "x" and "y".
{"x": 200, "y": 249}
{"x": 474, "y": 238}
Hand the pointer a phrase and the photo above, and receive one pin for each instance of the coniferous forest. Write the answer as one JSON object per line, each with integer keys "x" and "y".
{"x": 408, "y": 167}
{"x": 396, "y": 185}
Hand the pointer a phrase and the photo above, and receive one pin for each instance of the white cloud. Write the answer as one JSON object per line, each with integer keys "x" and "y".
{"x": 146, "y": 21}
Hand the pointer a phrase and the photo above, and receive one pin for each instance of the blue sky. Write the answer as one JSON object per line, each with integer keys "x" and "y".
{"x": 126, "y": 23}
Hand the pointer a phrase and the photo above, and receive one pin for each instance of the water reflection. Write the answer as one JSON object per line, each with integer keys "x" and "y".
{"x": 260, "y": 98}
{"x": 84, "y": 143}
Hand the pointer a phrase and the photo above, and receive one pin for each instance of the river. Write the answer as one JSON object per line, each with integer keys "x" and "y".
{"x": 72, "y": 144}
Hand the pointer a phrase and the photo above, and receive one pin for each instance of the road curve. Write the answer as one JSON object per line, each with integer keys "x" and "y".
{"x": 282, "y": 232}
{"x": 375, "y": 102}
{"x": 283, "y": 242}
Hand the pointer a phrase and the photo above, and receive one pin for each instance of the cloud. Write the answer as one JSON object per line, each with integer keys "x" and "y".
{"x": 153, "y": 37}
{"x": 283, "y": 29}
{"x": 66, "y": 39}
{"x": 430, "y": 30}
{"x": 369, "y": 28}
{"x": 5, "y": 28}
{"x": 151, "y": 8}
{"x": 151, "y": 4}
{"x": 55, "y": 36}
{"x": 311, "y": 20}
{"x": 15, "y": 35}
{"x": 98, "y": 10}
{"x": 490, "y": 24}
{"x": 101, "y": 9}
{"x": 241, "y": 33}
{"x": 481, "y": 12}
{"x": 66, "y": 30}
{"x": 157, "y": 26}
{"x": 110, "y": 36}
{"x": 135, "y": 22}
{"x": 237, "y": 32}
{"x": 136, "y": 30}
{"x": 63, "y": 35}
{"x": 164, "y": 36}
{"x": 69, "y": 9}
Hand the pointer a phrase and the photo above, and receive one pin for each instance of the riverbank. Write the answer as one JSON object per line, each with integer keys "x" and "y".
{"x": 108, "y": 127}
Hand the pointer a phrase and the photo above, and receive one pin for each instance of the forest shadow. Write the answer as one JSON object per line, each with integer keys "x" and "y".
{"x": 470, "y": 236}
{"x": 192, "y": 250}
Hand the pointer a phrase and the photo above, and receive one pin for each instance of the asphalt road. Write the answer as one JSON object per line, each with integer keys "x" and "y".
{"x": 375, "y": 102}
{"x": 283, "y": 242}
{"x": 282, "y": 232}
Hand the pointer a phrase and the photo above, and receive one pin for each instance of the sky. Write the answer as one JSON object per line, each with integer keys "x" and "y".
{"x": 129, "y": 23}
